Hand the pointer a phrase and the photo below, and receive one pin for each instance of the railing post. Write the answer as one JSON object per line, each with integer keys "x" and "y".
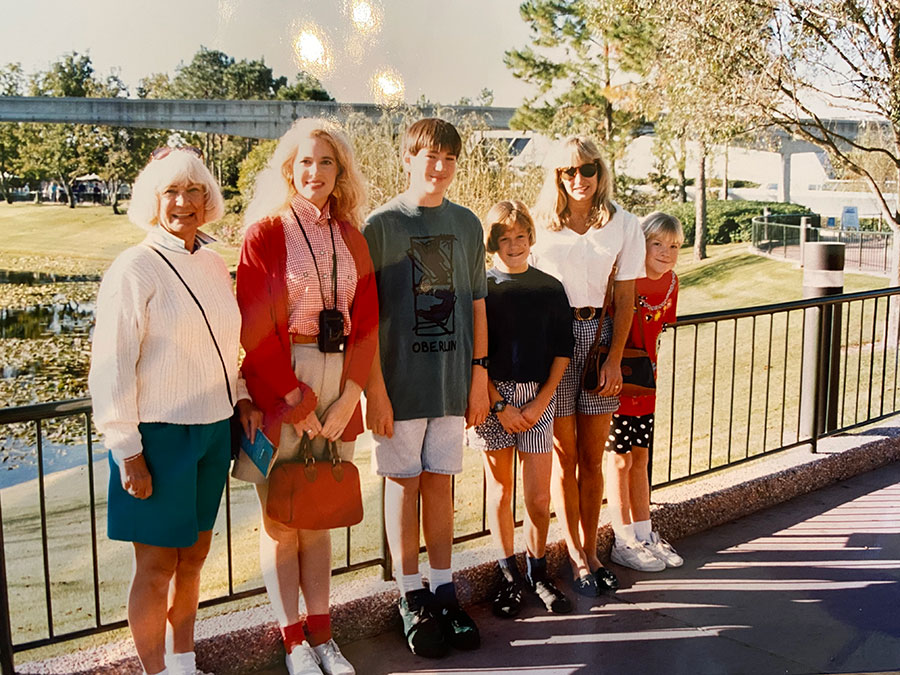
{"x": 823, "y": 276}
{"x": 766, "y": 230}
{"x": 387, "y": 564}
{"x": 804, "y": 225}
{"x": 7, "y": 662}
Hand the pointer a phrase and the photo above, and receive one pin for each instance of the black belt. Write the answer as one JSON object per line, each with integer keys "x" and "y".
{"x": 586, "y": 313}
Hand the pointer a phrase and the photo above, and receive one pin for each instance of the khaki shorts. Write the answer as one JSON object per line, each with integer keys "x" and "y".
{"x": 322, "y": 372}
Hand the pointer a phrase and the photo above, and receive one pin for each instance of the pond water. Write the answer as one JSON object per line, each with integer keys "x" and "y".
{"x": 39, "y": 321}
{"x": 44, "y": 356}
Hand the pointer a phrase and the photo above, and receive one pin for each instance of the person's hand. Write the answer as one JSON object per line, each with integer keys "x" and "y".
{"x": 335, "y": 419}
{"x": 251, "y": 418}
{"x": 135, "y": 476}
{"x": 610, "y": 378}
{"x": 309, "y": 425}
{"x": 479, "y": 405}
{"x": 532, "y": 411}
{"x": 379, "y": 412}
{"x": 511, "y": 419}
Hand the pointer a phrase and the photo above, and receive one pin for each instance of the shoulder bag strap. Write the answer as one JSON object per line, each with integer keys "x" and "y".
{"x": 606, "y": 301}
{"x": 203, "y": 312}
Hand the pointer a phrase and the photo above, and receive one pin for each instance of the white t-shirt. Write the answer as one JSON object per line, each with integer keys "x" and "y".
{"x": 582, "y": 262}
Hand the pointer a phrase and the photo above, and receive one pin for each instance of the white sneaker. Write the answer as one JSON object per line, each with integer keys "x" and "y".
{"x": 333, "y": 662}
{"x": 183, "y": 664}
{"x": 302, "y": 661}
{"x": 637, "y": 556}
{"x": 663, "y": 550}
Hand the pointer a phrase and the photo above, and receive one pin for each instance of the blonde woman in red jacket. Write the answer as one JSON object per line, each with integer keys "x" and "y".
{"x": 303, "y": 253}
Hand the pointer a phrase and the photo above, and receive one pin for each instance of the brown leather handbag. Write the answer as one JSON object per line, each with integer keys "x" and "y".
{"x": 315, "y": 495}
{"x": 638, "y": 375}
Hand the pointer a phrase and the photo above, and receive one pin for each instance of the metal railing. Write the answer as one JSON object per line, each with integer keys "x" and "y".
{"x": 784, "y": 235}
{"x": 729, "y": 391}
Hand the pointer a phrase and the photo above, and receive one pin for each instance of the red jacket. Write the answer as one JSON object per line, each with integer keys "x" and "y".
{"x": 263, "y": 298}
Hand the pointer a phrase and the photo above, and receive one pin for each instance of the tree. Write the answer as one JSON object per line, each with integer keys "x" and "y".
{"x": 63, "y": 151}
{"x": 798, "y": 63}
{"x": 583, "y": 58}
{"x": 12, "y": 83}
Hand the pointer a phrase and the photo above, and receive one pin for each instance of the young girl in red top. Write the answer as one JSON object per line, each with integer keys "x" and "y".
{"x": 631, "y": 435}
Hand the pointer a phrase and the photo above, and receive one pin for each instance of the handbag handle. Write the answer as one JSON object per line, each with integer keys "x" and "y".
{"x": 309, "y": 462}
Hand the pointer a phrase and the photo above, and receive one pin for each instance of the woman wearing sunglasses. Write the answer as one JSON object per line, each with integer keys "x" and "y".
{"x": 306, "y": 290}
{"x": 586, "y": 235}
{"x": 164, "y": 378}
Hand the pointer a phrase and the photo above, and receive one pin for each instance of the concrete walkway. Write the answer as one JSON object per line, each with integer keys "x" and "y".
{"x": 808, "y": 586}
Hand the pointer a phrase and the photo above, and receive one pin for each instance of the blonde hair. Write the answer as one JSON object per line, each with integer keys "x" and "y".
{"x": 275, "y": 183}
{"x": 179, "y": 167}
{"x": 552, "y": 207}
{"x": 503, "y": 216}
{"x": 659, "y": 225}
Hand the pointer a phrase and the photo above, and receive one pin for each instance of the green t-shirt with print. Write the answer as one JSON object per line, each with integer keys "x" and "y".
{"x": 429, "y": 268}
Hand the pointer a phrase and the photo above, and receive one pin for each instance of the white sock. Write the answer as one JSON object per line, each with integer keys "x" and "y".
{"x": 624, "y": 533}
{"x": 642, "y": 530}
{"x": 182, "y": 664}
{"x": 409, "y": 582}
{"x": 439, "y": 577}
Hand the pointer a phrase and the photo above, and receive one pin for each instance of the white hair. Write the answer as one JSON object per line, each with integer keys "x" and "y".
{"x": 177, "y": 168}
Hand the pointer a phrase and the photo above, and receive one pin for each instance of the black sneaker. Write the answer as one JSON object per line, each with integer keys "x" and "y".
{"x": 508, "y": 599}
{"x": 553, "y": 598}
{"x": 421, "y": 627}
{"x": 459, "y": 629}
{"x": 606, "y": 580}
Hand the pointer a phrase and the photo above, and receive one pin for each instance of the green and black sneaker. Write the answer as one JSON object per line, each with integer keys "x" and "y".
{"x": 459, "y": 629}
{"x": 422, "y": 626}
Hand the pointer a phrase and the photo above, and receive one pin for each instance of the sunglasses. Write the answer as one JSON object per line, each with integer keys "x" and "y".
{"x": 586, "y": 170}
{"x": 167, "y": 150}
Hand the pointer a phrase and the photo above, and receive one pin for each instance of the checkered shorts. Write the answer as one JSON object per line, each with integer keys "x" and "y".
{"x": 628, "y": 431}
{"x": 490, "y": 435}
{"x": 569, "y": 396}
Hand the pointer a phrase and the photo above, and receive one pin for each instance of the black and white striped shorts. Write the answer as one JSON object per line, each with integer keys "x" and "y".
{"x": 569, "y": 396}
{"x": 490, "y": 435}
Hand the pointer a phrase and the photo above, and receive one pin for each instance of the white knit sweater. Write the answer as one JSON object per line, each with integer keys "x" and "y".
{"x": 152, "y": 358}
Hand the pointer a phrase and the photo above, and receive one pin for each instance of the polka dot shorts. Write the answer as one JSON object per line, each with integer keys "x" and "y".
{"x": 627, "y": 431}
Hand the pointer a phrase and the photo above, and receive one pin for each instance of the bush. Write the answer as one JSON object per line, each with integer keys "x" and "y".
{"x": 729, "y": 221}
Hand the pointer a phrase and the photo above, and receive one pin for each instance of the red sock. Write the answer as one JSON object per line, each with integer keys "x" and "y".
{"x": 292, "y": 636}
{"x": 318, "y": 627}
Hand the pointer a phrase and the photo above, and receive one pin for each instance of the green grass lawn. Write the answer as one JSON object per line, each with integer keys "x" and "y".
{"x": 55, "y": 238}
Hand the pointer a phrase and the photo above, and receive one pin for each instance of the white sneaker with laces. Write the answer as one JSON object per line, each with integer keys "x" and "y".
{"x": 333, "y": 662}
{"x": 637, "y": 556}
{"x": 302, "y": 661}
{"x": 663, "y": 550}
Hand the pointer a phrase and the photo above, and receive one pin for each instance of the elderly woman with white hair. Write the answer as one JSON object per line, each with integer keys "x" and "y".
{"x": 164, "y": 381}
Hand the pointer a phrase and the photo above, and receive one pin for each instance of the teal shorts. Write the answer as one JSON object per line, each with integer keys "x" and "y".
{"x": 188, "y": 464}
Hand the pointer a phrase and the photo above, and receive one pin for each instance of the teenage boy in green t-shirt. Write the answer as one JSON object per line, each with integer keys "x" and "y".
{"x": 431, "y": 378}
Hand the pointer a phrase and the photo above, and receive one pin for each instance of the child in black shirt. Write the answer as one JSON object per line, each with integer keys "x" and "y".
{"x": 529, "y": 346}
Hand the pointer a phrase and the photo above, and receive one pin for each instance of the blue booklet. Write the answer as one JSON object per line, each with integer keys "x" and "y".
{"x": 260, "y": 451}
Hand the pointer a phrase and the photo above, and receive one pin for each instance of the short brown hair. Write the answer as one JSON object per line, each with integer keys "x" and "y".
{"x": 432, "y": 133}
{"x": 503, "y": 216}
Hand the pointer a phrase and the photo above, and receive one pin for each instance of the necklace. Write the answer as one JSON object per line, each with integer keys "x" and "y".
{"x": 642, "y": 301}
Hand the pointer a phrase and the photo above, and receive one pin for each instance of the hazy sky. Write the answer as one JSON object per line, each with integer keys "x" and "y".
{"x": 442, "y": 49}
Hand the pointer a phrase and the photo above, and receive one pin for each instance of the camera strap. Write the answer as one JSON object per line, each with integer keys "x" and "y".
{"x": 316, "y": 264}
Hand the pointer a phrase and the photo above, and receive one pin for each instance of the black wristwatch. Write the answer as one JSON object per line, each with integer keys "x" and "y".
{"x": 499, "y": 406}
{"x": 483, "y": 362}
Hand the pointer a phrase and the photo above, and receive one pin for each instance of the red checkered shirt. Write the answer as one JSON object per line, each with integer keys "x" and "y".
{"x": 303, "y": 284}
